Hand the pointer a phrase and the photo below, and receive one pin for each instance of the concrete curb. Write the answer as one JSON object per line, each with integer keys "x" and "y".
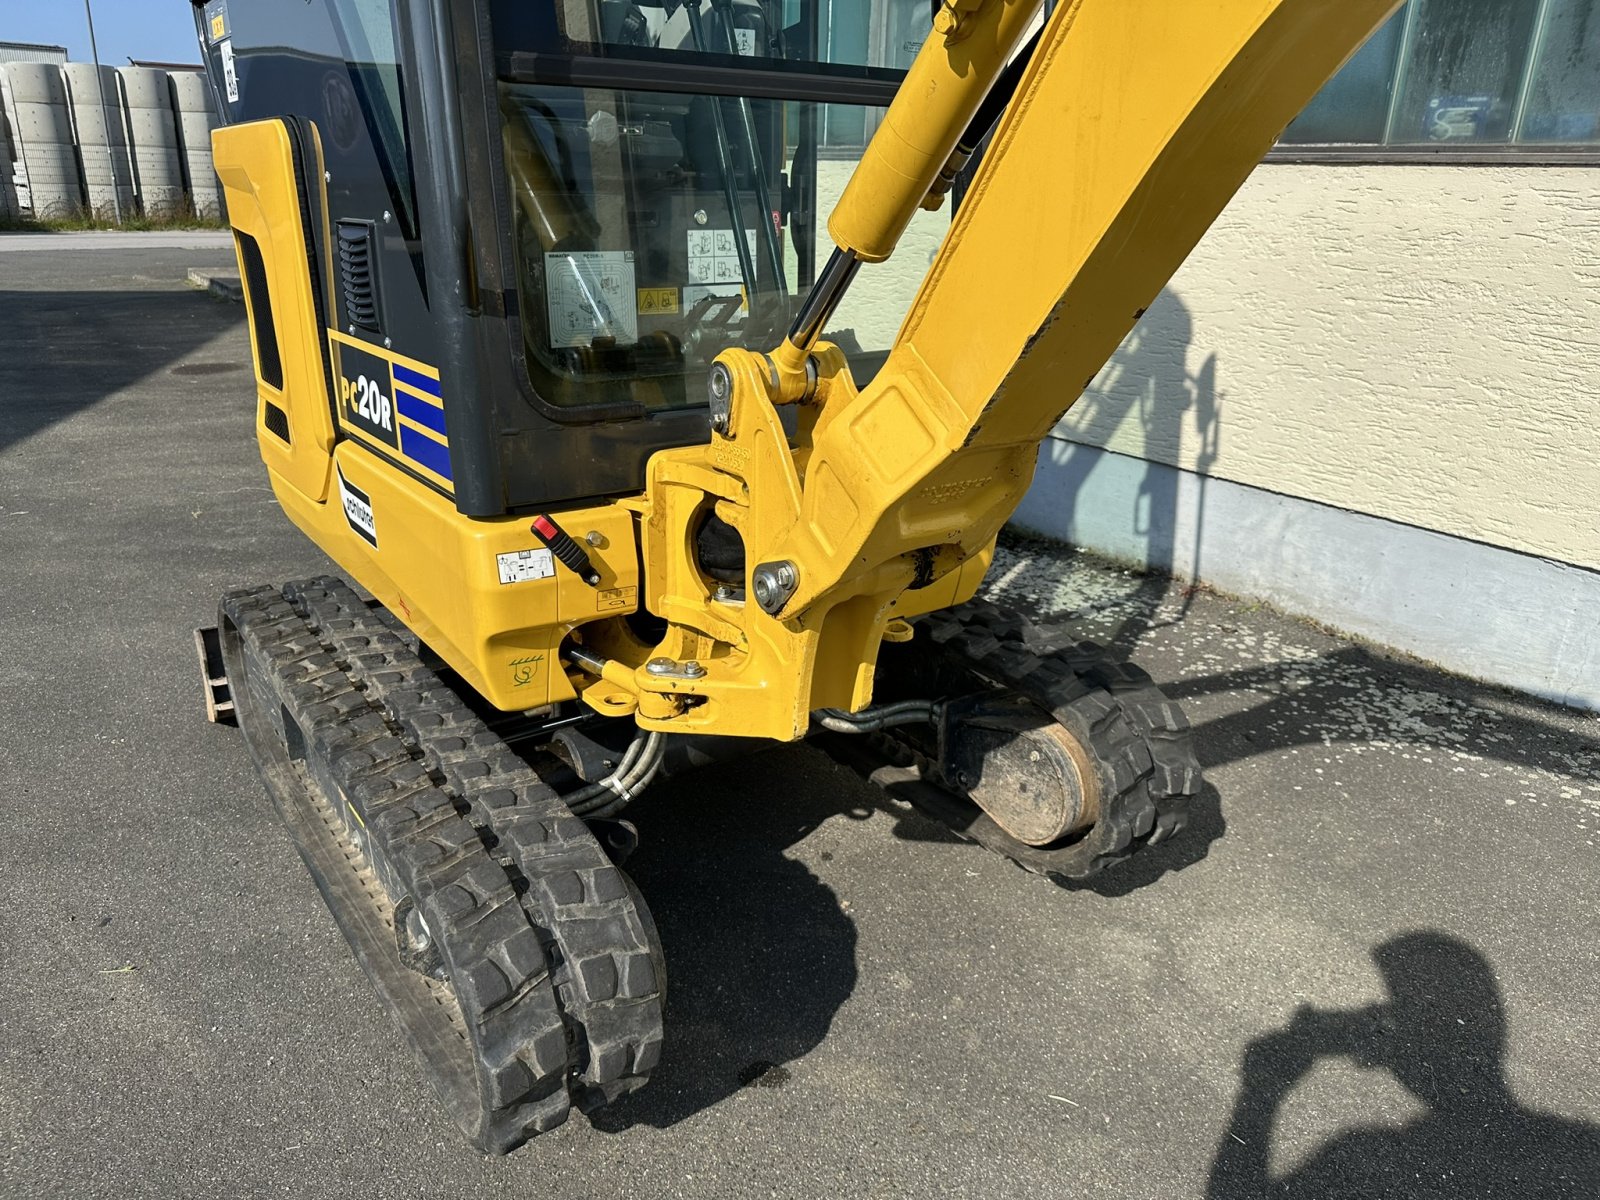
{"x": 224, "y": 287}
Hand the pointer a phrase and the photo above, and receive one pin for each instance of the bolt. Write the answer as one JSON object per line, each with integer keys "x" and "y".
{"x": 661, "y": 666}
{"x": 387, "y": 216}
{"x": 694, "y": 670}
{"x": 387, "y": 344}
{"x": 774, "y": 583}
{"x": 700, "y": 217}
{"x": 595, "y": 538}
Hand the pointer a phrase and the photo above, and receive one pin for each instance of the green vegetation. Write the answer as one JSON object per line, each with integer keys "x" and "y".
{"x": 141, "y": 222}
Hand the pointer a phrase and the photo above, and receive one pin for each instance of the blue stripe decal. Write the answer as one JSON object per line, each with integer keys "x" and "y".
{"x": 414, "y": 379}
{"x": 420, "y": 448}
{"x": 420, "y": 411}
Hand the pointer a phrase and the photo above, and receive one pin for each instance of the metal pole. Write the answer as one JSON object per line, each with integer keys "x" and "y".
{"x": 105, "y": 121}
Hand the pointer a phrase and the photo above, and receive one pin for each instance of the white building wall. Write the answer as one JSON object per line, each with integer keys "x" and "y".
{"x": 1418, "y": 343}
{"x": 1369, "y": 397}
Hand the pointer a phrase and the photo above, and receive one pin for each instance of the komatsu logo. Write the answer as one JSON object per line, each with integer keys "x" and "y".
{"x": 358, "y": 510}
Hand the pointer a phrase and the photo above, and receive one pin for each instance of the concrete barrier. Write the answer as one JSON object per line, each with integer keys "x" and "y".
{"x": 152, "y": 133}
{"x": 191, "y": 106}
{"x": 8, "y": 202}
{"x": 45, "y": 176}
{"x": 94, "y": 98}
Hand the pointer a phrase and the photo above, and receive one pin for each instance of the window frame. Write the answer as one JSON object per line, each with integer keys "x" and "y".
{"x": 1485, "y": 154}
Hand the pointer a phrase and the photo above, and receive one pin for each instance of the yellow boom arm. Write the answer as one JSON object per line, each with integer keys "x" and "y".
{"x": 1133, "y": 125}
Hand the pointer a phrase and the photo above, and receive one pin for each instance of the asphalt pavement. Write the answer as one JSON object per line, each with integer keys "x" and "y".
{"x": 1370, "y": 968}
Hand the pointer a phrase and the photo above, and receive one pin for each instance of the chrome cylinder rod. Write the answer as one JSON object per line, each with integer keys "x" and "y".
{"x": 823, "y": 299}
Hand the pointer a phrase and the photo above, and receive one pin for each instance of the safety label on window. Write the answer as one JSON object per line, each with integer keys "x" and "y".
{"x": 714, "y": 256}
{"x": 520, "y": 566}
{"x": 658, "y": 300}
{"x": 217, "y": 26}
{"x": 590, "y": 294}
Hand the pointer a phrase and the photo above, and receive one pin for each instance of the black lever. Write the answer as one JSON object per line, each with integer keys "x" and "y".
{"x": 559, "y": 542}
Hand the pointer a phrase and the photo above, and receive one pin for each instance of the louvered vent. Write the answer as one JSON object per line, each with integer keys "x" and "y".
{"x": 356, "y": 270}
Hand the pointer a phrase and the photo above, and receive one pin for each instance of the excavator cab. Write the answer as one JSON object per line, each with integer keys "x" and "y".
{"x": 633, "y": 359}
{"x": 567, "y": 214}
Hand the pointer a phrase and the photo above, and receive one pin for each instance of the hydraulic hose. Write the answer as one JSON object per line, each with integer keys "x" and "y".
{"x": 599, "y": 791}
{"x": 629, "y": 784}
{"x": 884, "y": 716}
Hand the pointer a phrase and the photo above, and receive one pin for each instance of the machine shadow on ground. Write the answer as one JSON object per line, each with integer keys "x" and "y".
{"x": 80, "y": 350}
{"x": 1442, "y": 1035}
{"x": 760, "y": 956}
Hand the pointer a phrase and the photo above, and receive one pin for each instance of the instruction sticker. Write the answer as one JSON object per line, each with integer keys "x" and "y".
{"x": 358, "y": 510}
{"x": 714, "y": 256}
{"x": 658, "y": 300}
{"x": 520, "y": 566}
{"x": 590, "y": 294}
{"x": 230, "y": 75}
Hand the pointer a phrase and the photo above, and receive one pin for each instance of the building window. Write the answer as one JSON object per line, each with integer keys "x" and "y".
{"x": 1481, "y": 77}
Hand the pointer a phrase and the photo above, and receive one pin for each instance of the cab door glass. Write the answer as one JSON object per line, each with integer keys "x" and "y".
{"x": 653, "y": 230}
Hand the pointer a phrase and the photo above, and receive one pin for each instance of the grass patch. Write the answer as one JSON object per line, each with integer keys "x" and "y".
{"x": 131, "y": 222}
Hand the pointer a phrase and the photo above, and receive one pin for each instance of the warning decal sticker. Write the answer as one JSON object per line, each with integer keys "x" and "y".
{"x": 520, "y": 566}
{"x": 217, "y": 24}
{"x": 590, "y": 294}
{"x": 230, "y": 73}
{"x": 658, "y": 300}
{"x": 714, "y": 256}
{"x": 358, "y": 510}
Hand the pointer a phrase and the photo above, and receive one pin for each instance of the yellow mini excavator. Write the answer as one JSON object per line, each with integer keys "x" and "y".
{"x": 638, "y": 469}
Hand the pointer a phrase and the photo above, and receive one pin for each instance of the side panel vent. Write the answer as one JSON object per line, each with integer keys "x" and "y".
{"x": 358, "y": 274}
{"x": 276, "y": 420}
{"x": 261, "y": 322}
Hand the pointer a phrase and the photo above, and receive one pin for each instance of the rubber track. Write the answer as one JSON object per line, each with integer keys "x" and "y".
{"x": 418, "y": 795}
{"x": 601, "y": 944}
{"x": 1140, "y": 740}
{"x": 518, "y": 1052}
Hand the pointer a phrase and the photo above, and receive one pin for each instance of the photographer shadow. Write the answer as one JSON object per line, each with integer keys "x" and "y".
{"x": 1442, "y": 1035}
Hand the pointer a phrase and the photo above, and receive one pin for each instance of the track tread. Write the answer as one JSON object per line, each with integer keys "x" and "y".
{"x": 1140, "y": 740}
{"x": 449, "y": 818}
{"x": 590, "y": 920}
